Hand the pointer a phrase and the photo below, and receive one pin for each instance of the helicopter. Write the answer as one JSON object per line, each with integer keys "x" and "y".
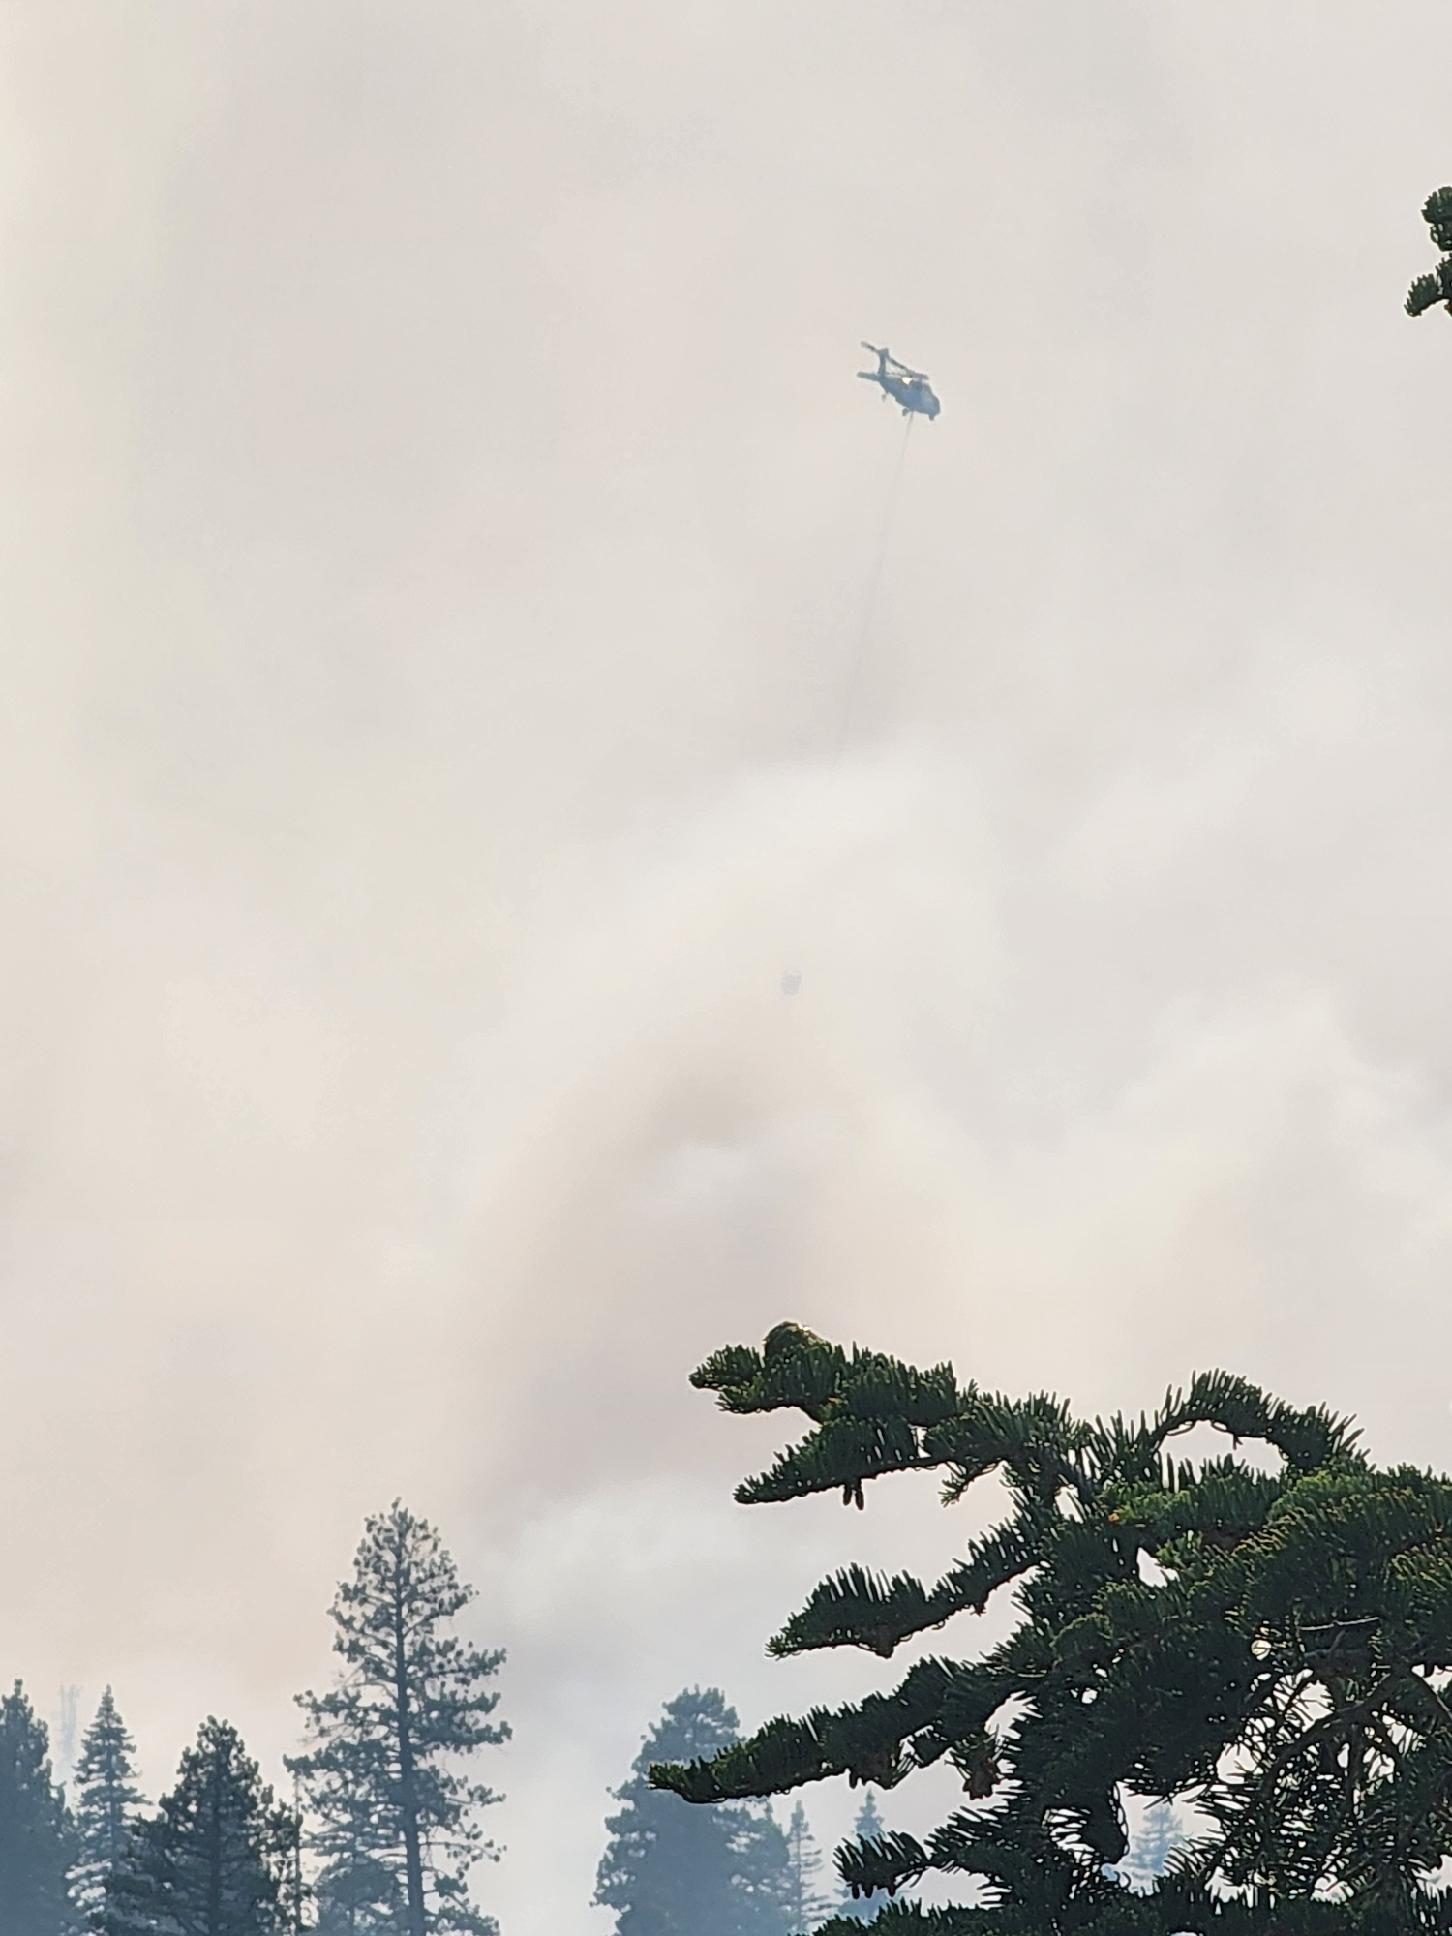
{"x": 908, "y": 387}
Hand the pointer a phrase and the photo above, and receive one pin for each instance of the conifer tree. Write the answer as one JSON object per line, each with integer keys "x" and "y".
{"x": 1283, "y": 1659}
{"x": 215, "y": 1858}
{"x": 36, "y": 1836}
{"x": 869, "y": 1827}
{"x": 397, "y": 1829}
{"x": 1159, "y": 1835}
{"x": 107, "y": 1803}
{"x": 357, "y": 1894}
{"x": 1436, "y": 286}
{"x": 673, "y": 1871}
{"x": 806, "y": 1905}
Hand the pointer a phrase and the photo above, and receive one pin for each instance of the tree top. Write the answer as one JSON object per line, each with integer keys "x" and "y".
{"x": 1269, "y": 1644}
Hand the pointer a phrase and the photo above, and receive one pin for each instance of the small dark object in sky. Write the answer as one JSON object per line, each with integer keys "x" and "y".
{"x": 908, "y": 387}
{"x": 791, "y": 981}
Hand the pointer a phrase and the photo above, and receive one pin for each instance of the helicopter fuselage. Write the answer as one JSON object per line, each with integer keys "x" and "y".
{"x": 909, "y": 389}
{"x": 914, "y": 393}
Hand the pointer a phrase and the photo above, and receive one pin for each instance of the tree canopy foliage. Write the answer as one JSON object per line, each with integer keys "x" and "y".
{"x": 673, "y": 1871}
{"x": 1267, "y": 1640}
{"x": 384, "y": 1770}
{"x": 214, "y": 1859}
{"x": 107, "y": 1804}
{"x": 868, "y": 1827}
{"x": 807, "y": 1907}
{"x": 1436, "y": 286}
{"x": 37, "y": 1841}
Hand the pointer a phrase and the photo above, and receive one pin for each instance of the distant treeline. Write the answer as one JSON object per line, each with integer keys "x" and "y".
{"x": 383, "y": 1827}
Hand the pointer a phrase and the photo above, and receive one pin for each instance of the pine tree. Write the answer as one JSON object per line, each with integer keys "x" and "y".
{"x": 395, "y": 1816}
{"x": 1159, "y": 1835}
{"x": 673, "y": 1871}
{"x": 1282, "y": 1658}
{"x": 214, "y": 1859}
{"x": 357, "y": 1894}
{"x": 806, "y": 1905}
{"x": 1436, "y": 286}
{"x": 107, "y": 1803}
{"x": 36, "y": 1836}
{"x": 868, "y": 1828}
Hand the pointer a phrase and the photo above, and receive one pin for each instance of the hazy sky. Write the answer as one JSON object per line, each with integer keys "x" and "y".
{"x": 439, "y": 513}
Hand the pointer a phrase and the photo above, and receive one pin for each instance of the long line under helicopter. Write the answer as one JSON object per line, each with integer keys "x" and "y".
{"x": 912, "y": 392}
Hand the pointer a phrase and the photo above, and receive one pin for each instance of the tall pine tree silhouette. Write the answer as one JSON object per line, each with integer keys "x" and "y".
{"x": 107, "y": 1803}
{"x": 36, "y": 1836}
{"x": 215, "y": 1858}
{"x": 671, "y": 1870}
{"x": 397, "y": 1829}
{"x": 806, "y": 1905}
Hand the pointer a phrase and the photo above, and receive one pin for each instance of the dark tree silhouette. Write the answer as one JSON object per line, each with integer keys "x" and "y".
{"x": 806, "y": 1905}
{"x": 867, "y": 1828}
{"x": 669, "y": 1870}
{"x": 396, "y": 1817}
{"x": 107, "y": 1804}
{"x": 215, "y": 1858}
{"x": 1274, "y": 1643}
{"x": 36, "y": 1837}
{"x": 1436, "y": 286}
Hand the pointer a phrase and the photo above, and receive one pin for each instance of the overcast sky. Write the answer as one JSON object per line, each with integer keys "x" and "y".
{"x": 439, "y": 517}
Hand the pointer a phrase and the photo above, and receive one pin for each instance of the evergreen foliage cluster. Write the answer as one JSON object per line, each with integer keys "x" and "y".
{"x": 806, "y": 1906}
{"x": 216, "y": 1857}
{"x": 107, "y": 1806}
{"x": 1284, "y": 1667}
{"x": 670, "y": 1870}
{"x": 1436, "y": 286}
{"x": 37, "y": 1839}
{"x": 868, "y": 1829}
{"x": 398, "y": 1828}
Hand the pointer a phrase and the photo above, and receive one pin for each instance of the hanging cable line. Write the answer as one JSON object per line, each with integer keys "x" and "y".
{"x": 859, "y": 653}
{"x": 913, "y": 394}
